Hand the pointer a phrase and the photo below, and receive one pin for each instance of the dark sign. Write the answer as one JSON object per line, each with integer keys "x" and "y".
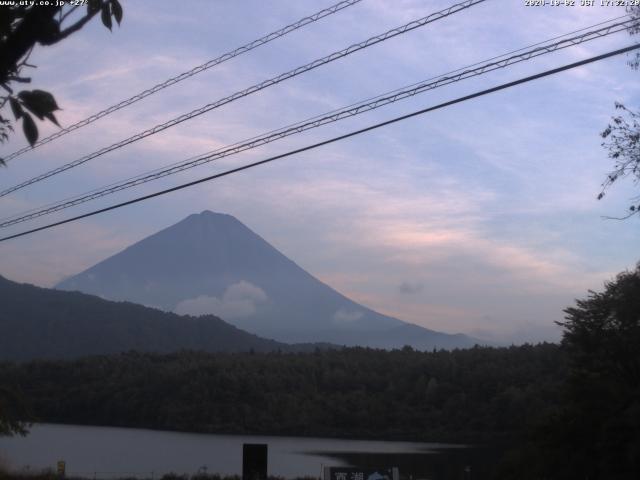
{"x": 352, "y": 473}
{"x": 254, "y": 461}
{"x": 61, "y": 468}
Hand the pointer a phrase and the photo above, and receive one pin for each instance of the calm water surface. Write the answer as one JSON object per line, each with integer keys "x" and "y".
{"x": 108, "y": 452}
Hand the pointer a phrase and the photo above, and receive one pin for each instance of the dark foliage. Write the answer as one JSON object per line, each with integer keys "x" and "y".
{"x": 478, "y": 394}
{"x": 13, "y": 412}
{"x": 622, "y": 140}
{"x": 23, "y": 26}
{"x": 621, "y": 137}
{"x": 51, "y": 475}
{"x": 595, "y": 432}
{"x": 602, "y": 338}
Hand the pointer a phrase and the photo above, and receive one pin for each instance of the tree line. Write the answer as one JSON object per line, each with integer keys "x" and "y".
{"x": 478, "y": 394}
{"x": 568, "y": 411}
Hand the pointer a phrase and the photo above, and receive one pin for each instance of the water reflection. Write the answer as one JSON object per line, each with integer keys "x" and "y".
{"x": 107, "y": 452}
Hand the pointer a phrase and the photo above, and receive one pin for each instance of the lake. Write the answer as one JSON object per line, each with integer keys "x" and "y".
{"x": 105, "y": 452}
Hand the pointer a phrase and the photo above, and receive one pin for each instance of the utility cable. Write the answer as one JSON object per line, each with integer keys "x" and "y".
{"x": 253, "y": 89}
{"x": 190, "y": 73}
{"x": 315, "y": 122}
{"x": 331, "y": 140}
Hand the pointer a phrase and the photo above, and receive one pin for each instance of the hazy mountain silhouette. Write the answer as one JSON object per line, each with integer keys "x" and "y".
{"x": 43, "y": 323}
{"x": 212, "y": 263}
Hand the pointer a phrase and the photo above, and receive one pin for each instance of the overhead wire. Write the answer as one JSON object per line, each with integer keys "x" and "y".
{"x": 476, "y": 69}
{"x": 188, "y": 74}
{"x": 331, "y": 140}
{"x": 253, "y": 89}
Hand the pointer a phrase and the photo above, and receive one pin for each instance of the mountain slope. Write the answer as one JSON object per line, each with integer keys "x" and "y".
{"x": 42, "y": 323}
{"x": 212, "y": 263}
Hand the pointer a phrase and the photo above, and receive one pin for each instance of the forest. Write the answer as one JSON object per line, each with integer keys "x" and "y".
{"x": 469, "y": 395}
{"x": 554, "y": 411}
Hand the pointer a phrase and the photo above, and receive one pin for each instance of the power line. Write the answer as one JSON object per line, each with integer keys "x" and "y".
{"x": 190, "y": 73}
{"x": 253, "y": 89}
{"x": 315, "y": 122}
{"x": 331, "y": 140}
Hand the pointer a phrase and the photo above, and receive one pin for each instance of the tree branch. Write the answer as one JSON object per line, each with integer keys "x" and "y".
{"x": 22, "y": 39}
{"x": 63, "y": 17}
{"x": 604, "y": 217}
{"x": 76, "y": 26}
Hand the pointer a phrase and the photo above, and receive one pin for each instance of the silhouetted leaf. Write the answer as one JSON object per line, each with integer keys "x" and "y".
{"x": 52, "y": 118}
{"x": 29, "y": 128}
{"x": 16, "y": 108}
{"x": 116, "y": 9}
{"x": 106, "y": 15}
{"x": 38, "y": 102}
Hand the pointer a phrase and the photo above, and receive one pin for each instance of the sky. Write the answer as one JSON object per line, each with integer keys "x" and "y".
{"x": 479, "y": 218}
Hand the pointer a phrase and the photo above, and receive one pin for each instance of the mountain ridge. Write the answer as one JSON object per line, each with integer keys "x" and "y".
{"x": 213, "y": 263}
{"x": 42, "y": 323}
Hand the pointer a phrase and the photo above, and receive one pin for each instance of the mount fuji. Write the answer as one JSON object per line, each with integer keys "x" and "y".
{"x": 211, "y": 263}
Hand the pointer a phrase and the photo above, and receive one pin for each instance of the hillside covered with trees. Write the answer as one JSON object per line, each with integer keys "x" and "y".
{"x": 40, "y": 323}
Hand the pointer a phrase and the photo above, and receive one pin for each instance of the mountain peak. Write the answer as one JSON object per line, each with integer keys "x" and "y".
{"x": 212, "y": 263}
{"x": 206, "y": 226}
{"x": 209, "y": 216}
